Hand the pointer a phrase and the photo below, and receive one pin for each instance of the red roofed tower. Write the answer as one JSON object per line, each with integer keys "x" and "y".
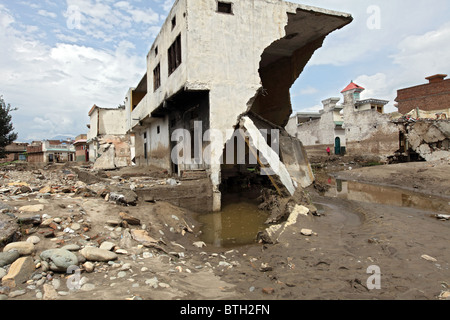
{"x": 352, "y": 93}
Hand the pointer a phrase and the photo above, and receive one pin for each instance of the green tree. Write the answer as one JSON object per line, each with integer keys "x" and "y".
{"x": 7, "y": 134}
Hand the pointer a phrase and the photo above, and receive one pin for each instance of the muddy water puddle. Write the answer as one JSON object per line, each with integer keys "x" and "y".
{"x": 237, "y": 224}
{"x": 361, "y": 192}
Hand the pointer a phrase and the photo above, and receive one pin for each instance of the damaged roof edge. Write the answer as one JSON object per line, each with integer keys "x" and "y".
{"x": 293, "y": 7}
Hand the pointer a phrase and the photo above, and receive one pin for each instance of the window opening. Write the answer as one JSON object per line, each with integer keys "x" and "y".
{"x": 157, "y": 77}
{"x": 174, "y": 54}
{"x": 225, "y": 7}
{"x": 174, "y": 22}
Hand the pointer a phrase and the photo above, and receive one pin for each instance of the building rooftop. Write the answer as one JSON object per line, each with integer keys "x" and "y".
{"x": 372, "y": 101}
{"x": 352, "y": 86}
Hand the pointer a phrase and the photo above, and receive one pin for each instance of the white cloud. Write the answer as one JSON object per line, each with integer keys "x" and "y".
{"x": 308, "y": 90}
{"x": 417, "y": 57}
{"x": 47, "y": 14}
{"x": 424, "y": 54}
{"x": 54, "y": 86}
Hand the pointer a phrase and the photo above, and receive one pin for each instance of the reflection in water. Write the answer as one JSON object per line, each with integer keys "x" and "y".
{"x": 356, "y": 191}
{"x": 237, "y": 224}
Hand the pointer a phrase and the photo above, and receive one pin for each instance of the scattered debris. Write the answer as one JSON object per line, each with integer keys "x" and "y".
{"x": 443, "y": 216}
{"x": 428, "y": 258}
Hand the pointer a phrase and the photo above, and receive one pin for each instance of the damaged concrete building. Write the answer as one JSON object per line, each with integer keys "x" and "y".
{"x": 107, "y": 140}
{"x": 356, "y": 127}
{"x": 220, "y": 69}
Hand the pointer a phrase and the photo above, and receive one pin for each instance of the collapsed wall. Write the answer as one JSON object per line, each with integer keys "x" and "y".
{"x": 430, "y": 139}
{"x": 281, "y": 63}
{"x": 114, "y": 152}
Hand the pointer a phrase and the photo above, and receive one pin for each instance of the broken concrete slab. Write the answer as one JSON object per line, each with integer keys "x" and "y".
{"x": 273, "y": 234}
{"x": 19, "y": 272}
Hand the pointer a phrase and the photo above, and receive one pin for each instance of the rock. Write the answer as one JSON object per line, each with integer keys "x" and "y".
{"x": 75, "y": 226}
{"x": 265, "y": 267}
{"x": 71, "y": 247}
{"x": 24, "y": 248}
{"x": 153, "y": 282}
{"x": 30, "y": 219}
{"x": 50, "y": 292}
{"x": 106, "y": 245}
{"x": 59, "y": 260}
{"x": 298, "y": 209}
{"x": 8, "y": 228}
{"x": 125, "y": 197}
{"x": 89, "y": 267}
{"x": 199, "y": 244}
{"x": 121, "y": 251}
{"x": 113, "y": 222}
{"x": 32, "y": 208}
{"x": 268, "y": 290}
{"x": 143, "y": 237}
{"x": 2, "y": 273}
{"x": 306, "y": 232}
{"x": 19, "y": 272}
{"x": 7, "y": 258}
{"x": 33, "y": 239}
{"x": 88, "y": 287}
{"x": 16, "y": 293}
{"x": 428, "y": 258}
{"x": 126, "y": 240}
{"x": 132, "y": 221}
{"x": 96, "y": 254}
{"x": 46, "y": 222}
{"x": 444, "y": 295}
{"x": 46, "y": 189}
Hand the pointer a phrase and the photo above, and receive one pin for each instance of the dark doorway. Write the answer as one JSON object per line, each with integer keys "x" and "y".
{"x": 337, "y": 146}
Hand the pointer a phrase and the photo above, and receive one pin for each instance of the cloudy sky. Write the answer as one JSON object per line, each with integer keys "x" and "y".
{"x": 58, "y": 58}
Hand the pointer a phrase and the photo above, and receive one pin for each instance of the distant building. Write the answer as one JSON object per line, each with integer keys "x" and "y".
{"x": 357, "y": 127}
{"x": 81, "y": 148}
{"x": 15, "y": 151}
{"x": 433, "y": 96}
{"x": 51, "y": 151}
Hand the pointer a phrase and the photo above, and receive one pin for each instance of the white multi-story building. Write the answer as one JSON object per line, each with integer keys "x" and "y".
{"x": 213, "y": 62}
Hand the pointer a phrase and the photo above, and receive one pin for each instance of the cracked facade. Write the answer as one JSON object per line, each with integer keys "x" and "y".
{"x": 214, "y": 62}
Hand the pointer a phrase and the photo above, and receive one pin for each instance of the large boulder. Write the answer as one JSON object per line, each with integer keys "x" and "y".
{"x": 23, "y": 247}
{"x": 59, "y": 260}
